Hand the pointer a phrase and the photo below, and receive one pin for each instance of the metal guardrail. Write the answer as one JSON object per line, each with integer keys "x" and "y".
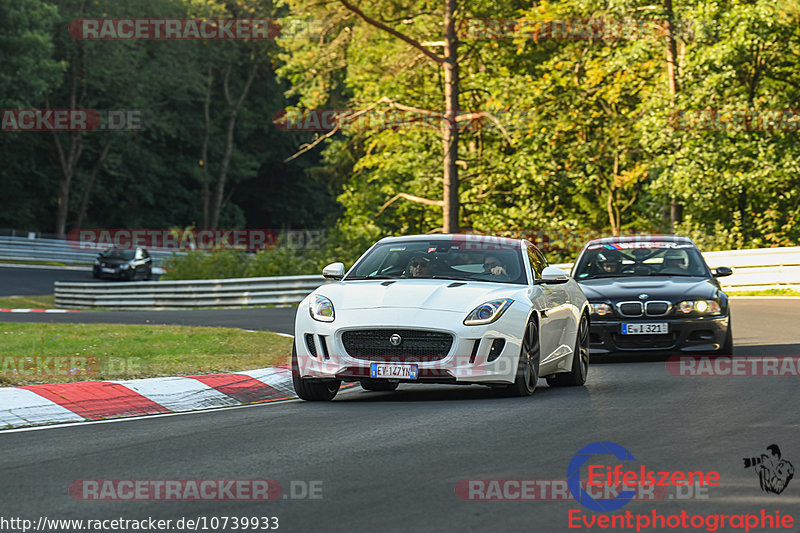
{"x": 60, "y": 251}
{"x": 237, "y": 292}
{"x": 753, "y": 270}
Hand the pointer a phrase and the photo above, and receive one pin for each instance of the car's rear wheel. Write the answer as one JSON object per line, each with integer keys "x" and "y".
{"x": 528, "y": 365}
{"x": 580, "y": 360}
{"x": 377, "y": 385}
{"x": 312, "y": 390}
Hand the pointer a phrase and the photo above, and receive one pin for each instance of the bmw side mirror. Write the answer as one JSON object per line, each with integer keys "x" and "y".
{"x": 334, "y": 271}
{"x": 552, "y": 275}
{"x": 721, "y": 272}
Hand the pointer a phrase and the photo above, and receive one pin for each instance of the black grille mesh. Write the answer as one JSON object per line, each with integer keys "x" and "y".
{"x": 416, "y": 344}
{"x": 312, "y": 348}
{"x": 631, "y": 309}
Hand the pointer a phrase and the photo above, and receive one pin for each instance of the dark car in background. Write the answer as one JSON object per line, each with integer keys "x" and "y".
{"x": 125, "y": 264}
{"x": 653, "y": 294}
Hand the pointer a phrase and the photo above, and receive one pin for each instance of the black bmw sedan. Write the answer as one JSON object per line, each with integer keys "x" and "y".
{"x": 653, "y": 294}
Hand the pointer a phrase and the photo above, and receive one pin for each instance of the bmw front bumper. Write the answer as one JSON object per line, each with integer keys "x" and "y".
{"x": 695, "y": 334}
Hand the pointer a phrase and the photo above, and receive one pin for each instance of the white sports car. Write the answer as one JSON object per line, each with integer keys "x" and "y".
{"x": 442, "y": 309}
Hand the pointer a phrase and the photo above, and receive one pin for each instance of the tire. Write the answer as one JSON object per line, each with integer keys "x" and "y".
{"x": 377, "y": 385}
{"x": 527, "y": 366}
{"x": 580, "y": 360}
{"x": 148, "y": 275}
{"x": 727, "y": 348}
{"x": 309, "y": 389}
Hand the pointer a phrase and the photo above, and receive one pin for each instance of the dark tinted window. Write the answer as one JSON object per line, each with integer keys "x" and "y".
{"x": 443, "y": 258}
{"x": 648, "y": 258}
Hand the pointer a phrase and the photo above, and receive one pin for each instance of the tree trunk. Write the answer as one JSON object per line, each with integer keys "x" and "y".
{"x": 87, "y": 190}
{"x": 68, "y": 163}
{"x": 450, "y": 127}
{"x": 233, "y": 109}
{"x": 675, "y": 209}
{"x": 204, "y": 188}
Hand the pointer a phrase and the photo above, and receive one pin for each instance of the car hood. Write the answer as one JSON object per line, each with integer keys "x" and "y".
{"x": 672, "y": 288}
{"x": 439, "y": 295}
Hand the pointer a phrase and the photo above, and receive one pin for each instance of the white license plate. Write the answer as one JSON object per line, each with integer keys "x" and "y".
{"x": 654, "y": 328}
{"x": 108, "y": 270}
{"x": 393, "y": 371}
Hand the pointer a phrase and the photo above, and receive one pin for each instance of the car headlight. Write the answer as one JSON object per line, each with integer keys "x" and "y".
{"x": 704, "y": 307}
{"x": 125, "y": 266}
{"x": 602, "y": 309}
{"x": 321, "y": 309}
{"x": 97, "y": 262}
{"x": 488, "y": 312}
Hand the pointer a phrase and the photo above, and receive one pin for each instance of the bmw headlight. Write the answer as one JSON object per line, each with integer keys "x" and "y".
{"x": 125, "y": 266}
{"x": 488, "y": 312}
{"x": 703, "y": 307}
{"x": 97, "y": 262}
{"x": 601, "y": 309}
{"x": 321, "y": 308}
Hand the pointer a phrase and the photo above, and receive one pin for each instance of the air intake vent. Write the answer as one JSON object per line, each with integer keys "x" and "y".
{"x": 312, "y": 348}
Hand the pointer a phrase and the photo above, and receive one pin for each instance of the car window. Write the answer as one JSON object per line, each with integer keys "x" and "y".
{"x": 538, "y": 263}
{"x": 442, "y": 258}
{"x": 641, "y": 259}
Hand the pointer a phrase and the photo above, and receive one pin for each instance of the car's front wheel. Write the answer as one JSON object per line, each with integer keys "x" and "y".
{"x": 312, "y": 390}
{"x": 528, "y": 365}
{"x": 727, "y": 348}
{"x": 580, "y": 360}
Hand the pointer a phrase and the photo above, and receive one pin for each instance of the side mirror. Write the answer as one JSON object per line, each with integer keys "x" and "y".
{"x": 334, "y": 271}
{"x": 721, "y": 272}
{"x": 552, "y": 275}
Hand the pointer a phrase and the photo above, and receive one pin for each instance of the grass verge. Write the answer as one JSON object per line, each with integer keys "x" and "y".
{"x": 47, "y": 301}
{"x": 60, "y": 353}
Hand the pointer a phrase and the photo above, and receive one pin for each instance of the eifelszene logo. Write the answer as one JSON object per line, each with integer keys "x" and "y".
{"x": 774, "y": 473}
{"x": 607, "y": 476}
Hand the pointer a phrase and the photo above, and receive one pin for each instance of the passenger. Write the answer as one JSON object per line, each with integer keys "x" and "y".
{"x": 493, "y": 266}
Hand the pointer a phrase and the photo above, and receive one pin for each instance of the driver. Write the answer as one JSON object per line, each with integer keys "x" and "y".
{"x": 420, "y": 266}
{"x": 609, "y": 262}
{"x": 675, "y": 260}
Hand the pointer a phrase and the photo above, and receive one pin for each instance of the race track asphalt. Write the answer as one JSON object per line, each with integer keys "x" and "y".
{"x": 392, "y": 461}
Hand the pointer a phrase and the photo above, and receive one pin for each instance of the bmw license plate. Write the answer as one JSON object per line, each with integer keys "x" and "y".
{"x": 653, "y": 328}
{"x": 108, "y": 270}
{"x": 392, "y": 371}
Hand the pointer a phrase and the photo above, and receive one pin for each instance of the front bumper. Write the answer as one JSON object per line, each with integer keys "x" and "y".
{"x": 470, "y": 358}
{"x": 695, "y": 334}
{"x": 116, "y": 272}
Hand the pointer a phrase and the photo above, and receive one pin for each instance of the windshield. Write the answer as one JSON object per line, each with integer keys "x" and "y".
{"x": 442, "y": 259}
{"x": 640, "y": 259}
{"x": 117, "y": 254}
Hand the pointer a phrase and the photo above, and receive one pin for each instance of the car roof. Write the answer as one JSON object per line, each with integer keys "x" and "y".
{"x": 642, "y": 238}
{"x": 466, "y": 237}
